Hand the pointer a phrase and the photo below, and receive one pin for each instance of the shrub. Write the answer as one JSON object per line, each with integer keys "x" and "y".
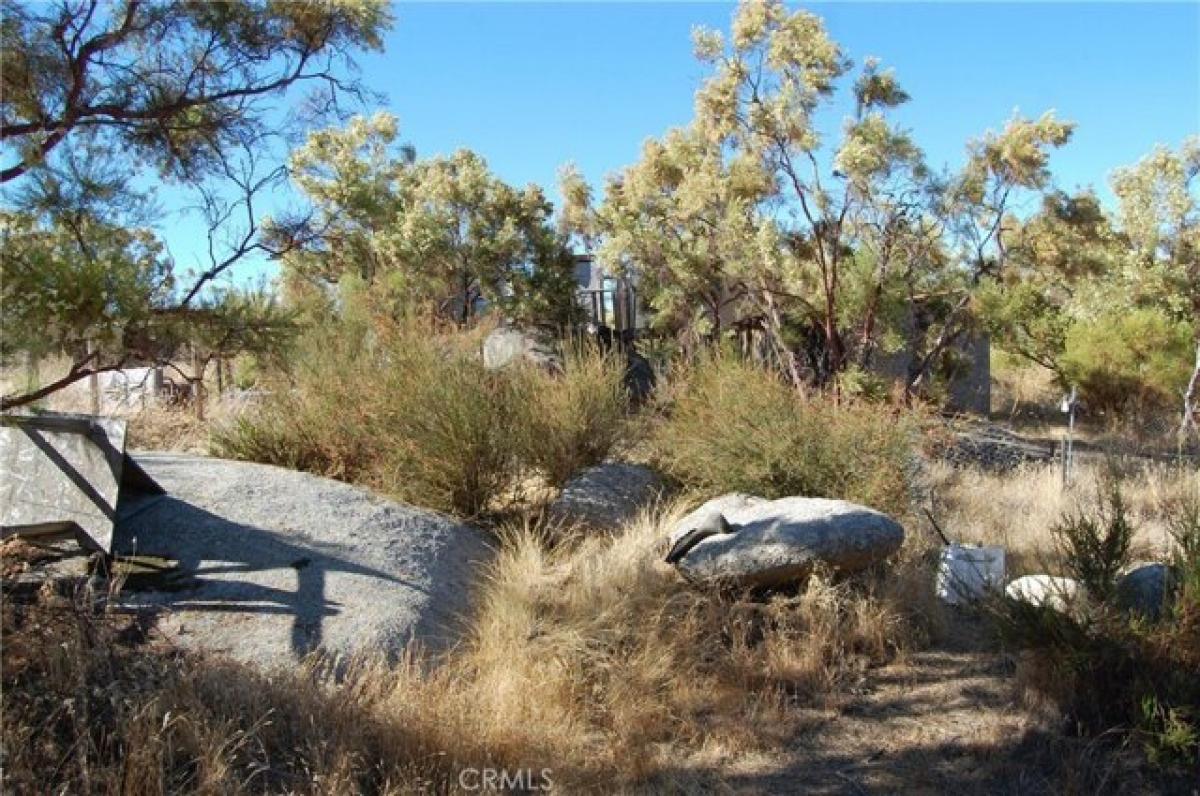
{"x": 1094, "y": 542}
{"x": 1135, "y": 361}
{"x": 418, "y": 416}
{"x": 734, "y": 426}
{"x": 1108, "y": 670}
{"x": 573, "y": 421}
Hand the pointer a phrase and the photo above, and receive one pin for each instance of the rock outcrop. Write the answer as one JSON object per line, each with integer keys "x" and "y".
{"x": 267, "y": 565}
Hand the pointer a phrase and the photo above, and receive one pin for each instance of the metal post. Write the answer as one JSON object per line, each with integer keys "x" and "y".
{"x": 1069, "y": 404}
{"x": 93, "y": 380}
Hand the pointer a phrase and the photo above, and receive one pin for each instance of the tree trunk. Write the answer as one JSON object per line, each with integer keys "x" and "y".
{"x": 198, "y": 383}
{"x": 1190, "y": 397}
{"x": 93, "y": 381}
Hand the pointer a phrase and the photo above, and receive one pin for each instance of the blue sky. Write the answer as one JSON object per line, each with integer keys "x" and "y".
{"x": 532, "y": 86}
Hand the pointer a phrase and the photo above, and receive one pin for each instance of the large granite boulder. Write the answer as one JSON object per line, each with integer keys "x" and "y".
{"x": 1047, "y": 591}
{"x": 1144, "y": 588}
{"x": 752, "y": 542}
{"x": 606, "y": 496}
{"x": 267, "y": 565}
{"x": 508, "y": 345}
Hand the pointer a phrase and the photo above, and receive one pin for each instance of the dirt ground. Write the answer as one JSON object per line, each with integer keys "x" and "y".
{"x": 948, "y": 719}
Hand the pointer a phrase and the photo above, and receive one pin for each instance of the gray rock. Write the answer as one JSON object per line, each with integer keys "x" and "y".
{"x": 272, "y": 564}
{"x": 1144, "y": 588}
{"x": 606, "y": 496}
{"x": 776, "y": 542}
{"x": 508, "y": 345}
{"x": 1061, "y": 594}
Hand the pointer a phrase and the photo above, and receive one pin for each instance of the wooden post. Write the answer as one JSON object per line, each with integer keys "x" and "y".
{"x": 197, "y": 382}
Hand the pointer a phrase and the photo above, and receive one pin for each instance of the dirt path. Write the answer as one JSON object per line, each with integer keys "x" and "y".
{"x": 946, "y": 720}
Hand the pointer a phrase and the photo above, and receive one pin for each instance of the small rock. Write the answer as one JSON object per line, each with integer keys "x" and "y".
{"x": 777, "y": 542}
{"x": 508, "y": 345}
{"x": 1144, "y": 588}
{"x": 1048, "y": 591}
{"x": 606, "y": 496}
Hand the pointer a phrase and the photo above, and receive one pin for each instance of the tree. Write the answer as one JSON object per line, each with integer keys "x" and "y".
{"x": 1108, "y": 300}
{"x": 835, "y": 249}
{"x": 93, "y": 95}
{"x": 1159, "y": 211}
{"x": 437, "y": 236}
{"x": 171, "y": 83}
{"x": 678, "y": 218}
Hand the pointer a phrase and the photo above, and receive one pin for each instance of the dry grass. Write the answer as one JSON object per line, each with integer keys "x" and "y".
{"x": 1018, "y": 509}
{"x": 591, "y": 659}
{"x": 417, "y": 416}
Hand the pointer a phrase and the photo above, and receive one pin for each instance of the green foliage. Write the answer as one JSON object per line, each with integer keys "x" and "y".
{"x": 1109, "y": 670}
{"x": 735, "y": 426}
{"x": 435, "y": 237}
{"x": 1125, "y": 361}
{"x": 130, "y": 73}
{"x": 1095, "y": 543}
{"x": 74, "y": 280}
{"x": 418, "y": 416}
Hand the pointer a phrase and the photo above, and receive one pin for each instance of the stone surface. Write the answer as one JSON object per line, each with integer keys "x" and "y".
{"x": 1048, "y": 591}
{"x": 268, "y": 565}
{"x": 508, "y": 345}
{"x": 606, "y": 496}
{"x": 1144, "y": 588}
{"x": 776, "y": 542}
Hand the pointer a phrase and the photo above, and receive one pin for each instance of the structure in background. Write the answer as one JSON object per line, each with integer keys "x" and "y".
{"x": 611, "y": 302}
{"x": 62, "y": 473}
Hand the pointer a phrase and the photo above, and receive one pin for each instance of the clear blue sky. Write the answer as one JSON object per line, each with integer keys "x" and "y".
{"x": 532, "y": 86}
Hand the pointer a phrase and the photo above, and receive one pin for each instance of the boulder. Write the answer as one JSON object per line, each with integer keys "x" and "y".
{"x": 606, "y": 496}
{"x": 1144, "y": 588}
{"x": 777, "y": 542}
{"x": 267, "y": 565}
{"x": 508, "y": 345}
{"x": 1048, "y": 591}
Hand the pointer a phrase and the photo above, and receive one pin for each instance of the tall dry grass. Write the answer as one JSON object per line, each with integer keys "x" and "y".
{"x": 588, "y": 658}
{"x": 1018, "y": 509}
{"x": 418, "y": 417}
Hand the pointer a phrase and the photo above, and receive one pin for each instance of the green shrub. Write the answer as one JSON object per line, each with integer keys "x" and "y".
{"x": 734, "y": 426}
{"x": 1094, "y": 542}
{"x": 574, "y": 420}
{"x": 417, "y": 416}
{"x": 1138, "y": 360}
{"x": 1108, "y": 670}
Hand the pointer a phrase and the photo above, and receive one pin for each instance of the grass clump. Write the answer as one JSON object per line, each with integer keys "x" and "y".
{"x": 574, "y": 421}
{"x": 735, "y": 426}
{"x": 588, "y": 658}
{"x": 417, "y": 416}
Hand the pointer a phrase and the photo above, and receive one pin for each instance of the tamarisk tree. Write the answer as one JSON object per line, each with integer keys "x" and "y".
{"x": 101, "y": 98}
